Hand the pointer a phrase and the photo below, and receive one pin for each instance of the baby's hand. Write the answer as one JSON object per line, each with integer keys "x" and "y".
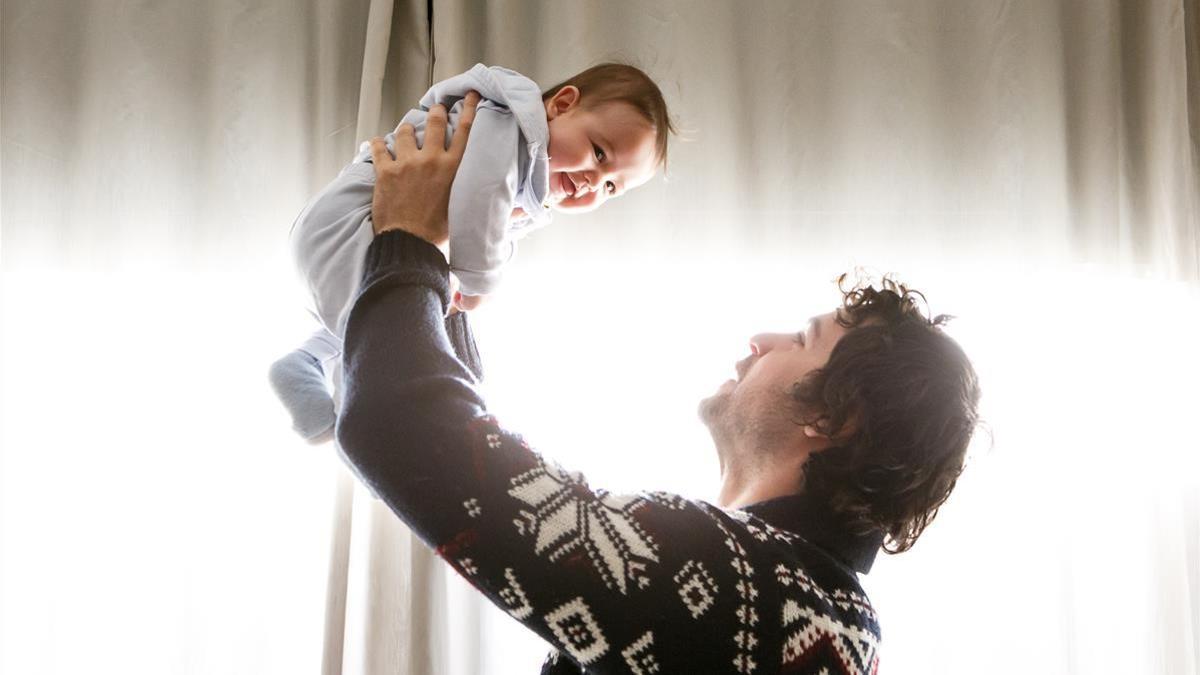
{"x": 466, "y": 303}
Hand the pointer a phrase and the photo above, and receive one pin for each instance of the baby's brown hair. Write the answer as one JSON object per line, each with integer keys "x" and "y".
{"x": 618, "y": 82}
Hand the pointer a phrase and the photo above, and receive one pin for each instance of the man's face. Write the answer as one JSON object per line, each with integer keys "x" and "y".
{"x": 596, "y": 154}
{"x": 757, "y": 407}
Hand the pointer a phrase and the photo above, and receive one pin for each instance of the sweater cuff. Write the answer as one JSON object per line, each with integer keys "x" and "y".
{"x": 407, "y": 259}
{"x": 458, "y": 329}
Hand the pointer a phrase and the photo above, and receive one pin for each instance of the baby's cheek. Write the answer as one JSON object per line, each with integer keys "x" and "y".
{"x": 590, "y": 202}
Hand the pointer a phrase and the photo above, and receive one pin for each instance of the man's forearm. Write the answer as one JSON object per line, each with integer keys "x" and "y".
{"x": 567, "y": 561}
{"x": 409, "y": 398}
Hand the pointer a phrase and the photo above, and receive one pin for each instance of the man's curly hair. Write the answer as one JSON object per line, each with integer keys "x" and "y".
{"x": 904, "y": 397}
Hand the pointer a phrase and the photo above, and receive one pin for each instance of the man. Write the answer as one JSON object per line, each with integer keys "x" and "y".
{"x": 830, "y": 439}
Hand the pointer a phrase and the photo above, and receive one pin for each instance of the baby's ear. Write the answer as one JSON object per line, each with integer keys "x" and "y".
{"x": 563, "y": 100}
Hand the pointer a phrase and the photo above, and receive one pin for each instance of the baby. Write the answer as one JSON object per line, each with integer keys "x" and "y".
{"x": 589, "y": 139}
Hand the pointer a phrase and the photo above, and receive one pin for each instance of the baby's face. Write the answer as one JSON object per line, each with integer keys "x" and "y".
{"x": 596, "y": 154}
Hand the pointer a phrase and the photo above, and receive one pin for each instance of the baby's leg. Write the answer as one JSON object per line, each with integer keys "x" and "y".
{"x": 299, "y": 381}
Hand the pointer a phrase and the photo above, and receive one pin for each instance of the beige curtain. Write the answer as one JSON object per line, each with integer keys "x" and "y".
{"x": 156, "y": 515}
{"x": 1054, "y": 129}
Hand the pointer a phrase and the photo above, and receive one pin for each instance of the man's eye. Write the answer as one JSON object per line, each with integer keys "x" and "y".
{"x": 610, "y": 187}
{"x": 599, "y": 152}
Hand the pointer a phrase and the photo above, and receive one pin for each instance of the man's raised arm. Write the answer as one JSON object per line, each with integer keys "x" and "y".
{"x": 569, "y": 562}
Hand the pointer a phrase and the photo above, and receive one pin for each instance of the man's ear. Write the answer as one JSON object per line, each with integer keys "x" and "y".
{"x": 563, "y": 100}
{"x": 818, "y": 428}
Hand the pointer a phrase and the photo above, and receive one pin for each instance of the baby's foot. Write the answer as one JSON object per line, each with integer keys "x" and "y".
{"x": 299, "y": 382}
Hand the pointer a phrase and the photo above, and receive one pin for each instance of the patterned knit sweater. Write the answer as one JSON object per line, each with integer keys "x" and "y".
{"x": 642, "y": 583}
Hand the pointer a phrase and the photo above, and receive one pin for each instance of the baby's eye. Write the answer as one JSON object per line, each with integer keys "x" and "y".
{"x": 610, "y": 187}
{"x": 800, "y": 338}
{"x": 599, "y": 152}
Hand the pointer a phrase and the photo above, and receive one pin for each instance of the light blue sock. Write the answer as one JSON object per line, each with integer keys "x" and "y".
{"x": 299, "y": 382}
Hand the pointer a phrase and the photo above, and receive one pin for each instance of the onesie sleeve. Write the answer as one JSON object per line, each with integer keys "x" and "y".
{"x": 481, "y": 201}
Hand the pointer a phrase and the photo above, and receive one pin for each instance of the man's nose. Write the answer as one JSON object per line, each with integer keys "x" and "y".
{"x": 764, "y": 342}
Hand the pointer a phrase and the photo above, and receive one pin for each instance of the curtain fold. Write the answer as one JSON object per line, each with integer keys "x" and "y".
{"x": 391, "y": 607}
{"x": 1191, "y": 24}
{"x": 1130, "y": 140}
{"x": 376, "y": 45}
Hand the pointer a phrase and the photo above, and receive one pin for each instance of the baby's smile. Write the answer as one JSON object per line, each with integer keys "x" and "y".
{"x": 562, "y": 187}
{"x": 568, "y": 184}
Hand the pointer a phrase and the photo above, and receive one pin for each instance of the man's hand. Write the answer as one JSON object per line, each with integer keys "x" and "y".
{"x": 412, "y": 191}
{"x": 466, "y": 303}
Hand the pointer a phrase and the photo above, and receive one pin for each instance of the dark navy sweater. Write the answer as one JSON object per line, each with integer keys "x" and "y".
{"x": 642, "y": 583}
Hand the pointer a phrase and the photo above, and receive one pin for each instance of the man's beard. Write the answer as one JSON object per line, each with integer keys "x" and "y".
{"x": 715, "y": 413}
{"x": 735, "y": 420}
{"x": 713, "y": 409}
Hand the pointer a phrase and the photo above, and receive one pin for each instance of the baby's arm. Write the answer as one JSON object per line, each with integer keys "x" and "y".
{"x": 481, "y": 201}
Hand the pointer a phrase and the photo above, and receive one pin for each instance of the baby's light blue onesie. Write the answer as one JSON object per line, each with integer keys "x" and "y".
{"x": 504, "y": 166}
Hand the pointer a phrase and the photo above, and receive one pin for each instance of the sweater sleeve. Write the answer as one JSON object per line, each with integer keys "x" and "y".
{"x": 608, "y": 580}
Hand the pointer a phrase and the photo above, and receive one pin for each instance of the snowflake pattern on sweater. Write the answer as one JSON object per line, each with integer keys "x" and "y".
{"x": 604, "y": 527}
{"x": 645, "y": 583}
{"x": 724, "y": 592}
